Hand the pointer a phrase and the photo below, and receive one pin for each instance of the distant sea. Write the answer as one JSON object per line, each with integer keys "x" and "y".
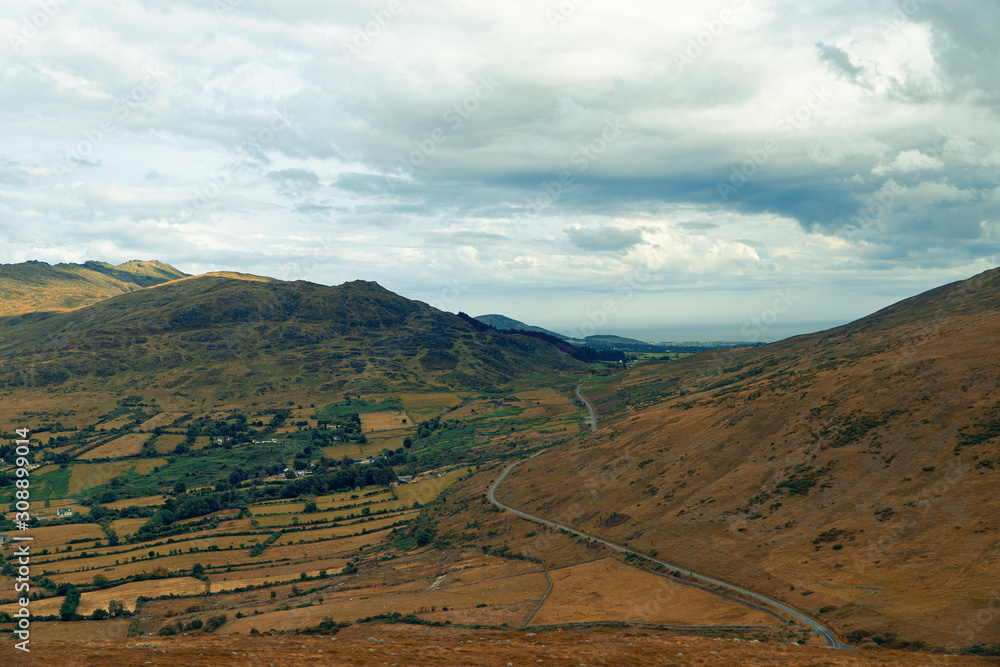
{"x": 733, "y": 333}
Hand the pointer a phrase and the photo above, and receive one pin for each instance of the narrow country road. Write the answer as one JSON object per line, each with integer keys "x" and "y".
{"x": 826, "y": 634}
{"x": 593, "y": 417}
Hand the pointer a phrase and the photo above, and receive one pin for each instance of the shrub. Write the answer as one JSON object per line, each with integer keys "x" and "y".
{"x": 215, "y": 623}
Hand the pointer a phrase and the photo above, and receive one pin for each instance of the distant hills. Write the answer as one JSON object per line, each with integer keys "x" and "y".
{"x": 607, "y": 343}
{"x": 36, "y": 286}
{"x": 504, "y": 323}
{"x": 246, "y": 334}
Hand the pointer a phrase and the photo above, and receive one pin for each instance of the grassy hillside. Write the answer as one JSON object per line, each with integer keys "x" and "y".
{"x": 242, "y": 335}
{"x": 36, "y": 286}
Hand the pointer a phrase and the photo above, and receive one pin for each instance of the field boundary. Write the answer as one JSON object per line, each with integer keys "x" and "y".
{"x": 545, "y": 597}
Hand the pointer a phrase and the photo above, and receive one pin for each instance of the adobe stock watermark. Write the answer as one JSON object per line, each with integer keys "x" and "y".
{"x": 754, "y": 328}
{"x": 582, "y": 158}
{"x": 711, "y": 30}
{"x": 563, "y": 12}
{"x": 879, "y": 204}
{"x": 425, "y": 321}
{"x": 625, "y": 288}
{"x": 455, "y": 116}
{"x": 758, "y": 325}
{"x": 30, "y": 26}
{"x": 250, "y": 148}
{"x": 786, "y": 128}
{"x": 901, "y": 17}
{"x": 121, "y": 109}
{"x": 366, "y": 34}
{"x": 223, "y": 7}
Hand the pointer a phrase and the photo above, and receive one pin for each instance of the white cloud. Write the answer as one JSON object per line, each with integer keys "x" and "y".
{"x": 911, "y": 160}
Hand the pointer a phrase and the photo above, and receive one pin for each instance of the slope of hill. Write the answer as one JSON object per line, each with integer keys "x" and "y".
{"x": 504, "y": 323}
{"x": 851, "y": 473}
{"x": 36, "y": 286}
{"x": 207, "y": 330}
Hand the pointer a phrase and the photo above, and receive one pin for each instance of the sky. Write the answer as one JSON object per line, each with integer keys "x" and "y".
{"x": 671, "y": 170}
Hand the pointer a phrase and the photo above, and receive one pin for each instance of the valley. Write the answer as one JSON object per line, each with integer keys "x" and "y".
{"x": 221, "y": 461}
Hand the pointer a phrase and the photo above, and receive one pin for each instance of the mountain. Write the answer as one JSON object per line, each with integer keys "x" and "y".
{"x": 852, "y": 473}
{"x": 604, "y": 342}
{"x": 258, "y": 335}
{"x": 504, "y": 323}
{"x": 36, "y": 286}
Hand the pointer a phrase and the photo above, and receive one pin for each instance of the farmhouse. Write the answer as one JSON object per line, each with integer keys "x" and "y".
{"x": 4, "y": 539}
{"x": 64, "y": 512}
{"x": 404, "y": 479}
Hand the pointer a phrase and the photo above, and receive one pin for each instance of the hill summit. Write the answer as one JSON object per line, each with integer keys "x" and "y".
{"x": 36, "y": 286}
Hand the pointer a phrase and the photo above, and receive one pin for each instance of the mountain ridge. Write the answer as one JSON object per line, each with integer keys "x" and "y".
{"x": 36, "y": 286}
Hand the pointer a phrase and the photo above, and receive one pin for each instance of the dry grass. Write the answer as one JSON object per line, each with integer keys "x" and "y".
{"x": 44, "y": 633}
{"x": 545, "y": 396}
{"x": 342, "y": 531}
{"x": 608, "y": 590}
{"x": 338, "y": 452}
{"x": 141, "y": 501}
{"x": 233, "y": 581}
{"x": 384, "y": 421}
{"x": 125, "y": 527}
{"x": 167, "y": 442}
{"x": 426, "y": 489}
{"x": 426, "y": 405}
{"x": 499, "y": 595}
{"x": 127, "y": 445}
{"x": 53, "y": 536}
{"x": 126, "y": 594}
{"x": 88, "y": 475}
{"x": 162, "y": 419}
{"x": 407, "y": 645}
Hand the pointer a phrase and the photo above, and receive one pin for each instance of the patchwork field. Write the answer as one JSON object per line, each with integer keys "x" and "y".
{"x": 162, "y": 419}
{"x": 426, "y": 405}
{"x": 351, "y": 450}
{"x": 143, "y": 501}
{"x": 384, "y": 421}
{"x": 127, "y": 445}
{"x": 87, "y": 475}
{"x": 168, "y": 442}
{"x": 127, "y": 594}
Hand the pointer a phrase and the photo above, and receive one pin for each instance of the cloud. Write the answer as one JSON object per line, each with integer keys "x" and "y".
{"x": 604, "y": 239}
{"x": 480, "y": 144}
{"x": 839, "y": 61}
{"x": 911, "y": 160}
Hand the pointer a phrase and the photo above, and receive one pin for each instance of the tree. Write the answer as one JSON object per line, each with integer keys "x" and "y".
{"x": 198, "y": 570}
{"x": 67, "y": 611}
{"x": 179, "y": 488}
{"x": 100, "y": 581}
{"x": 117, "y": 608}
{"x": 311, "y": 507}
{"x": 407, "y": 442}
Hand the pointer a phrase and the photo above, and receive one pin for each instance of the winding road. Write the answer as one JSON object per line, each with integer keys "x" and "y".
{"x": 825, "y": 633}
{"x": 593, "y": 417}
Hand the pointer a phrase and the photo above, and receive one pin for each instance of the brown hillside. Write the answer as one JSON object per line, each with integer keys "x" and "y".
{"x": 851, "y": 473}
{"x": 36, "y": 286}
{"x": 207, "y": 331}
